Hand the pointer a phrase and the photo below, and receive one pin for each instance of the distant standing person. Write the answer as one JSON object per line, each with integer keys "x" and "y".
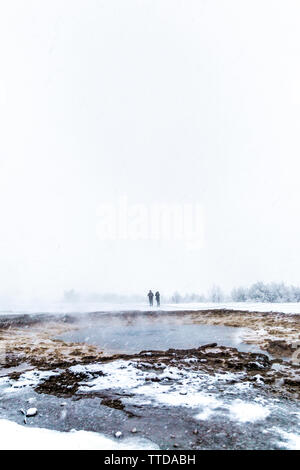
{"x": 157, "y": 296}
{"x": 150, "y": 297}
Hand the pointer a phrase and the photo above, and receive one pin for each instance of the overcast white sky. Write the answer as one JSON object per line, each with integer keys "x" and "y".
{"x": 165, "y": 101}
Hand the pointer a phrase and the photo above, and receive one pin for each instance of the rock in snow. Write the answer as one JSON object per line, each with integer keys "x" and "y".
{"x": 31, "y": 412}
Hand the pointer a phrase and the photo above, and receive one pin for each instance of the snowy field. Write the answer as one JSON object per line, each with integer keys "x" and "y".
{"x": 84, "y": 307}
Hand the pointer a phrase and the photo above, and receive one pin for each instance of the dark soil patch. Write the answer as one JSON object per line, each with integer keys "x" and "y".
{"x": 113, "y": 403}
{"x": 63, "y": 385}
{"x": 279, "y": 348}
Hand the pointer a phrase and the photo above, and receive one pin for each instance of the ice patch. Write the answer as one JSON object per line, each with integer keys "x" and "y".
{"x": 205, "y": 414}
{"x": 291, "y": 441}
{"x": 246, "y": 412}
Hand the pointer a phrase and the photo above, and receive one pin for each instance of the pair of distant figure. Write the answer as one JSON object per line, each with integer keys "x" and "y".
{"x": 157, "y": 298}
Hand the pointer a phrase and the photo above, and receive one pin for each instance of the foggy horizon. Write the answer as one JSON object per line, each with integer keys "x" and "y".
{"x": 164, "y": 103}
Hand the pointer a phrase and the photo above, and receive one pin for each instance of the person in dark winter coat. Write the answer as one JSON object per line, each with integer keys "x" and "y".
{"x": 157, "y": 297}
{"x": 150, "y": 297}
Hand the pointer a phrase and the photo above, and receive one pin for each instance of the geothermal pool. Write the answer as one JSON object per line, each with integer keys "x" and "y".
{"x": 123, "y": 337}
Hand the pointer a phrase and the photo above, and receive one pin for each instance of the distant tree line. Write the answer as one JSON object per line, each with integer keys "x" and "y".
{"x": 215, "y": 295}
{"x": 272, "y": 292}
{"x": 257, "y": 292}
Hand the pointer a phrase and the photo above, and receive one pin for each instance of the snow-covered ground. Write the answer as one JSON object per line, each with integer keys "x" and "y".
{"x": 222, "y": 400}
{"x": 14, "y": 436}
{"x": 210, "y": 396}
{"x": 83, "y": 307}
